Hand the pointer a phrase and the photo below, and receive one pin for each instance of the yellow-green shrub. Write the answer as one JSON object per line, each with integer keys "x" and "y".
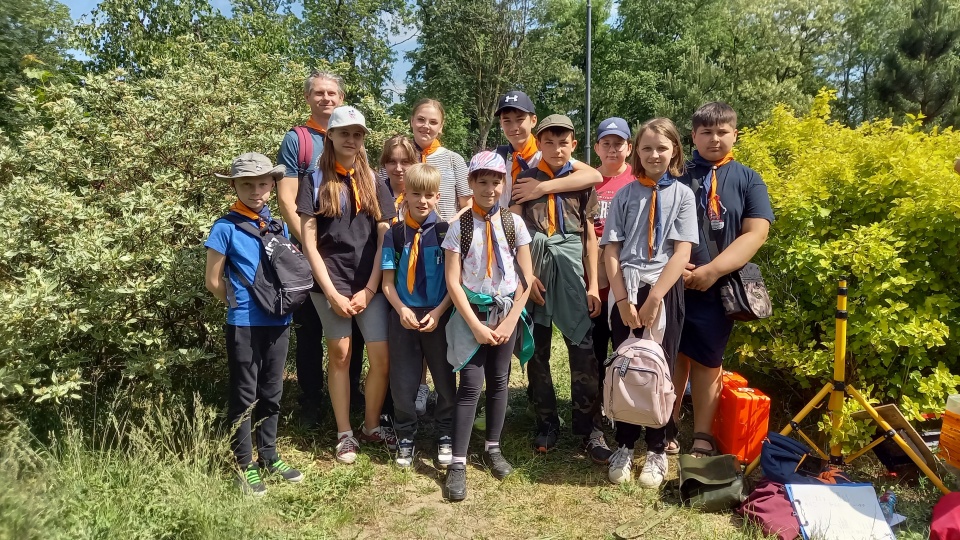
{"x": 878, "y": 204}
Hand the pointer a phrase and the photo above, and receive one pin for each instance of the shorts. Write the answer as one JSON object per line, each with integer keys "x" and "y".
{"x": 371, "y": 321}
{"x": 706, "y": 329}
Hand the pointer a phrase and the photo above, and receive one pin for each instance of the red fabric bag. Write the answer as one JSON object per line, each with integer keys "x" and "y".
{"x": 946, "y": 518}
{"x": 769, "y": 507}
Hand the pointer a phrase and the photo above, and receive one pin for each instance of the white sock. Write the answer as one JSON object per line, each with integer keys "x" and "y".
{"x": 342, "y": 434}
{"x": 461, "y": 460}
{"x": 487, "y": 445}
{"x": 371, "y": 432}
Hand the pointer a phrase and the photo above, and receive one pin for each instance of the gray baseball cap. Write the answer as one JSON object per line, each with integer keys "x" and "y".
{"x": 253, "y": 164}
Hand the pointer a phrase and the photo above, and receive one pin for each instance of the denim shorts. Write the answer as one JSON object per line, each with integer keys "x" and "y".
{"x": 372, "y": 321}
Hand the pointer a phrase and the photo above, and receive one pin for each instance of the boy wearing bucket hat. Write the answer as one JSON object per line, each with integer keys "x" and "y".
{"x": 256, "y": 340}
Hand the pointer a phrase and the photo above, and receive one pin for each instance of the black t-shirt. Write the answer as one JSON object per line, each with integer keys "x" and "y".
{"x": 348, "y": 244}
{"x": 742, "y": 193}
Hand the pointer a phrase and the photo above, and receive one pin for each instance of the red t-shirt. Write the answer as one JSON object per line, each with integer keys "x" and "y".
{"x": 606, "y": 191}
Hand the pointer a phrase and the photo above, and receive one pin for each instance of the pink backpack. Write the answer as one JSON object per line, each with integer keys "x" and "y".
{"x": 638, "y": 388}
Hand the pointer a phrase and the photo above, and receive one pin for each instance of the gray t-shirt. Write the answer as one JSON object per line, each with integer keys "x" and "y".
{"x": 628, "y": 220}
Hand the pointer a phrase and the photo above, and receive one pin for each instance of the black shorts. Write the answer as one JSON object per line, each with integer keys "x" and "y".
{"x": 706, "y": 328}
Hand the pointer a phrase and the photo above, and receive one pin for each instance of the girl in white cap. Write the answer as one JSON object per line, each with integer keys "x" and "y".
{"x": 344, "y": 214}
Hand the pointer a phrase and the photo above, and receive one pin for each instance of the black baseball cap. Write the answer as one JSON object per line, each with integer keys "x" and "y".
{"x": 515, "y": 99}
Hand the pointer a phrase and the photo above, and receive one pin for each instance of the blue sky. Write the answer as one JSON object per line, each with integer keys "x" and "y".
{"x": 79, "y": 8}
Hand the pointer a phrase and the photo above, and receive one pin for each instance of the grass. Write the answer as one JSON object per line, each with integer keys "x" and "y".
{"x": 164, "y": 475}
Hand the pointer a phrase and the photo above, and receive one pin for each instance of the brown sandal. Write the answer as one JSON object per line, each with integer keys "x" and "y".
{"x": 703, "y": 452}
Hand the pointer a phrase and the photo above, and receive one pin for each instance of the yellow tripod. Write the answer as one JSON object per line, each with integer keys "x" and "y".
{"x": 838, "y": 389}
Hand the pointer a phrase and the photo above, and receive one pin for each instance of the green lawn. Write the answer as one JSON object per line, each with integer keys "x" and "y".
{"x": 169, "y": 481}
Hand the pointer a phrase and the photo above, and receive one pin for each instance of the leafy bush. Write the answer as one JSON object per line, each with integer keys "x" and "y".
{"x": 109, "y": 195}
{"x": 878, "y": 205}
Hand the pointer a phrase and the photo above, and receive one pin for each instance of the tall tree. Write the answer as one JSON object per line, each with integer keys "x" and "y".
{"x": 128, "y": 34}
{"x": 357, "y": 33}
{"x": 469, "y": 52}
{"x": 32, "y": 37}
{"x": 923, "y": 73}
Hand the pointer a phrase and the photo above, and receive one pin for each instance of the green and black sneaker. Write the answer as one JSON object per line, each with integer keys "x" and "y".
{"x": 287, "y": 472}
{"x": 250, "y": 481}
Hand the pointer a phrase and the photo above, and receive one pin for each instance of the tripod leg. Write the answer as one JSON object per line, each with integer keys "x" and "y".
{"x": 810, "y": 406}
{"x": 898, "y": 439}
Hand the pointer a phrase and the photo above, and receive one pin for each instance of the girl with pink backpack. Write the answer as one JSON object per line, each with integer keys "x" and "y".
{"x": 650, "y": 229}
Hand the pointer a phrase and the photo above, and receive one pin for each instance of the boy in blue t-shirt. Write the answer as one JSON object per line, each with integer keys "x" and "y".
{"x": 256, "y": 341}
{"x": 414, "y": 284}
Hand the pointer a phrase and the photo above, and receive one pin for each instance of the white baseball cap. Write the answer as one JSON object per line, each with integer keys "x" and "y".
{"x": 347, "y": 116}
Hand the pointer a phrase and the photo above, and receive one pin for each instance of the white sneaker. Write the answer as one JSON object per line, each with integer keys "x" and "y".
{"x": 347, "y": 448}
{"x": 654, "y": 470}
{"x": 421, "y": 403}
{"x": 405, "y": 452}
{"x": 621, "y": 464}
{"x": 444, "y": 452}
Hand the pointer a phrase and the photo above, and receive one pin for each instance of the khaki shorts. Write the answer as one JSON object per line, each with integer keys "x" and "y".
{"x": 372, "y": 321}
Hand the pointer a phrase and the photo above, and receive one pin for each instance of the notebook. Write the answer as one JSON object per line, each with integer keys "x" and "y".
{"x": 839, "y": 512}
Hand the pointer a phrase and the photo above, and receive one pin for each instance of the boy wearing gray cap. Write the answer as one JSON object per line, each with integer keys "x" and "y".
{"x": 256, "y": 339}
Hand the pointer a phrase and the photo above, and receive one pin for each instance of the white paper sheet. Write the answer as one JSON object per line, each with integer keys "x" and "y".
{"x": 839, "y": 512}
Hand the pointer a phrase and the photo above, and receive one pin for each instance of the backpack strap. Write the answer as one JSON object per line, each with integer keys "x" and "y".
{"x": 249, "y": 227}
{"x": 509, "y": 229}
{"x": 466, "y": 233}
{"x": 304, "y": 150}
{"x": 399, "y": 236}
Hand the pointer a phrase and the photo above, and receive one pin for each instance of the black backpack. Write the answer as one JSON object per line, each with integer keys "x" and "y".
{"x": 284, "y": 278}
{"x": 399, "y": 232}
{"x": 466, "y": 231}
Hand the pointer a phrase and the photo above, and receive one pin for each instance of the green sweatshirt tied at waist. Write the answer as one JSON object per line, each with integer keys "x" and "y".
{"x": 558, "y": 262}
{"x": 462, "y": 346}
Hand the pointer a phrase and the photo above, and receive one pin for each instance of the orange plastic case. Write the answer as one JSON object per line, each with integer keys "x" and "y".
{"x": 742, "y": 421}
{"x": 731, "y": 378}
{"x": 950, "y": 439}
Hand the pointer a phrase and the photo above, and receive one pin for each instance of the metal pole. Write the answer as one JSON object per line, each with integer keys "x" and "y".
{"x": 586, "y": 146}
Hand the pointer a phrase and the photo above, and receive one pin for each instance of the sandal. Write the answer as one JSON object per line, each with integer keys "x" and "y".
{"x": 703, "y": 452}
{"x": 673, "y": 447}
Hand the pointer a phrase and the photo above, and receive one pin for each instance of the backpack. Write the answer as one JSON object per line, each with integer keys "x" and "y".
{"x": 399, "y": 232}
{"x": 304, "y": 150}
{"x": 769, "y": 507}
{"x": 466, "y": 231}
{"x": 638, "y": 388}
{"x": 787, "y": 461}
{"x": 946, "y": 518}
{"x": 284, "y": 279}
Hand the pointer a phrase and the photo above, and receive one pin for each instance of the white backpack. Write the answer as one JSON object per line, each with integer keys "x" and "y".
{"x": 638, "y": 388}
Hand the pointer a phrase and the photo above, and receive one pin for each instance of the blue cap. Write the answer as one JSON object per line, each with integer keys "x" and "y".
{"x": 515, "y": 99}
{"x": 614, "y": 126}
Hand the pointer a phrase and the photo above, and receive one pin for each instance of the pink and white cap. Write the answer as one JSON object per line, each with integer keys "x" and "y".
{"x": 487, "y": 161}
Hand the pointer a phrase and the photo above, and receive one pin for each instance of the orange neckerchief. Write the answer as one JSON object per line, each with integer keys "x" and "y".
{"x": 434, "y": 146}
{"x": 652, "y": 226}
{"x": 314, "y": 125}
{"x": 245, "y": 211}
{"x": 486, "y": 216}
{"x": 414, "y": 252}
{"x": 526, "y": 153}
{"x": 713, "y": 200}
{"x": 353, "y": 183}
{"x": 551, "y": 201}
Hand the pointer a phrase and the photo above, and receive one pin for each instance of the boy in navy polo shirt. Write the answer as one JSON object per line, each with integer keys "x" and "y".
{"x": 414, "y": 284}
{"x": 256, "y": 341}
{"x": 563, "y": 236}
{"x": 734, "y": 214}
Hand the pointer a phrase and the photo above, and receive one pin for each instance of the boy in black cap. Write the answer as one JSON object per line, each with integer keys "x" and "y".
{"x": 563, "y": 235}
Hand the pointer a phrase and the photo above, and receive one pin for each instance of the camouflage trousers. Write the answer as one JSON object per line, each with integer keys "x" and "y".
{"x": 585, "y": 399}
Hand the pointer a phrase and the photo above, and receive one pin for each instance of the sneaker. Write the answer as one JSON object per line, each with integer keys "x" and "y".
{"x": 456, "y": 483}
{"x": 405, "y": 453}
{"x": 480, "y": 424}
{"x": 347, "y": 448}
{"x": 498, "y": 465}
{"x": 596, "y": 447}
{"x": 421, "y": 402}
{"x": 654, "y": 470}
{"x": 285, "y": 471}
{"x": 250, "y": 482}
{"x": 382, "y": 434}
{"x": 621, "y": 465}
{"x": 546, "y": 438}
{"x": 444, "y": 452}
